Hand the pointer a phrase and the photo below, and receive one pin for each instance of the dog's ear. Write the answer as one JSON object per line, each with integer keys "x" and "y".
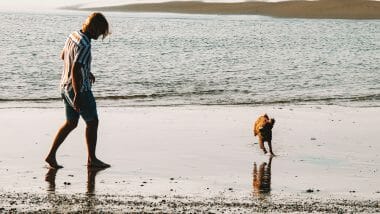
{"x": 272, "y": 121}
{"x": 266, "y": 116}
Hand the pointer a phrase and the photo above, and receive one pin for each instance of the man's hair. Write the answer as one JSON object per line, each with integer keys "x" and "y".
{"x": 96, "y": 21}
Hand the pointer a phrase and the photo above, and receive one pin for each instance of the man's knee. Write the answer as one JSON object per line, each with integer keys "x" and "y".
{"x": 93, "y": 123}
{"x": 72, "y": 124}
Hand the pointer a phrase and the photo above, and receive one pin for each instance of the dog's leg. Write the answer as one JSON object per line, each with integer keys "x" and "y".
{"x": 261, "y": 143}
{"x": 270, "y": 147}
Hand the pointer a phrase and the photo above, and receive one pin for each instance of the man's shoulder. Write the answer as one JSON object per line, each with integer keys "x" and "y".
{"x": 80, "y": 39}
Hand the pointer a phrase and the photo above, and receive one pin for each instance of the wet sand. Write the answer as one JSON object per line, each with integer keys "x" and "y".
{"x": 331, "y": 9}
{"x": 195, "y": 159}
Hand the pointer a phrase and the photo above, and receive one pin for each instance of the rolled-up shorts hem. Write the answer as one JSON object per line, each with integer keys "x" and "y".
{"x": 87, "y": 106}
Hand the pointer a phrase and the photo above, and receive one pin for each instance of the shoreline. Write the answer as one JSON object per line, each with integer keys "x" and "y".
{"x": 321, "y": 9}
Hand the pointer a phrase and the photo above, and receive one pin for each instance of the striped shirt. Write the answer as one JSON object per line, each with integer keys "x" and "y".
{"x": 77, "y": 49}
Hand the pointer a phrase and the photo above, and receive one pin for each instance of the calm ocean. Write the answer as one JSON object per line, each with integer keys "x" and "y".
{"x": 173, "y": 59}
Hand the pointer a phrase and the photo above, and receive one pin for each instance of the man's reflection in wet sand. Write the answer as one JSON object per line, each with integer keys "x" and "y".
{"x": 90, "y": 205}
{"x": 90, "y": 202}
{"x": 91, "y": 174}
{"x": 50, "y": 178}
{"x": 262, "y": 179}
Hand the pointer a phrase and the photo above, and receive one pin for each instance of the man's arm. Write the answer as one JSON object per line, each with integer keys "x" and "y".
{"x": 76, "y": 83}
{"x": 62, "y": 55}
{"x": 92, "y": 78}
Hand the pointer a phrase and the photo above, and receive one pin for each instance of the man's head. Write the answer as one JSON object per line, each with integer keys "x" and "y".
{"x": 95, "y": 25}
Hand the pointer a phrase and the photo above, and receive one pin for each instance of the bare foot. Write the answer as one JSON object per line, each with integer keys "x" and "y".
{"x": 96, "y": 163}
{"x": 53, "y": 163}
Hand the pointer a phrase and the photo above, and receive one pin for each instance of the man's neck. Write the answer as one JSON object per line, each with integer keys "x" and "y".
{"x": 87, "y": 34}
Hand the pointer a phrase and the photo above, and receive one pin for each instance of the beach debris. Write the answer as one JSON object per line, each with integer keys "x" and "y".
{"x": 352, "y": 191}
{"x": 230, "y": 189}
{"x": 309, "y": 190}
{"x": 171, "y": 179}
{"x": 66, "y": 183}
{"x": 71, "y": 175}
{"x": 313, "y": 138}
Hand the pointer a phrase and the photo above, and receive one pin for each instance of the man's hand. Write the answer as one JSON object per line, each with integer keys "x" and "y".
{"x": 76, "y": 102}
{"x": 92, "y": 78}
{"x": 77, "y": 83}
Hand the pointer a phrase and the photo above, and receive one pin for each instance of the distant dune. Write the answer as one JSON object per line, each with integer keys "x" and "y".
{"x": 335, "y": 9}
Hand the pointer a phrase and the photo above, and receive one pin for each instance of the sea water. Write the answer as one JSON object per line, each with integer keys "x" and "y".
{"x": 158, "y": 59}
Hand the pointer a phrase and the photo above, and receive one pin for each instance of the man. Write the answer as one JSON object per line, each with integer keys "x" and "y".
{"x": 76, "y": 91}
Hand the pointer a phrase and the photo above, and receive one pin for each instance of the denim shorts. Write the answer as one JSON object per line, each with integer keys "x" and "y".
{"x": 87, "y": 106}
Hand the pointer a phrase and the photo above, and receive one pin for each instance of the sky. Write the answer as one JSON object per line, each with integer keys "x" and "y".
{"x": 34, "y": 4}
{"x": 21, "y": 5}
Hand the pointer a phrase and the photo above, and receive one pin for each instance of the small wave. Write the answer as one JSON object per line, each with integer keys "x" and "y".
{"x": 166, "y": 99}
{"x": 161, "y": 95}
{"x": 372, "y": 97}
{"x": 49, "y": 99}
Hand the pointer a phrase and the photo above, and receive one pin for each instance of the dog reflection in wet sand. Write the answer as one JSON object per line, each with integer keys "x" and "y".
{"x": 262, "y": 178}
{"x": 263, "y": 130}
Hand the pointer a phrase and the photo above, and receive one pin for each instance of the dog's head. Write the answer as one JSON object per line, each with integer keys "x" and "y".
{"x": 266, "y": 128}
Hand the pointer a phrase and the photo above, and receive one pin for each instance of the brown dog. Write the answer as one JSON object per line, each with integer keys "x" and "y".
{"x": 263, "y": 129}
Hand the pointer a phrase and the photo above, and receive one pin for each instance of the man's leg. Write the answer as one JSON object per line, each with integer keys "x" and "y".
{"x": 63, "y": 132}
{"x": 91, "y": 138}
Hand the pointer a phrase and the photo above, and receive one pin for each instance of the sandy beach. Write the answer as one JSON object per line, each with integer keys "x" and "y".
{"x": 330, "y": 9}
{"x": 195, "y": 159}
